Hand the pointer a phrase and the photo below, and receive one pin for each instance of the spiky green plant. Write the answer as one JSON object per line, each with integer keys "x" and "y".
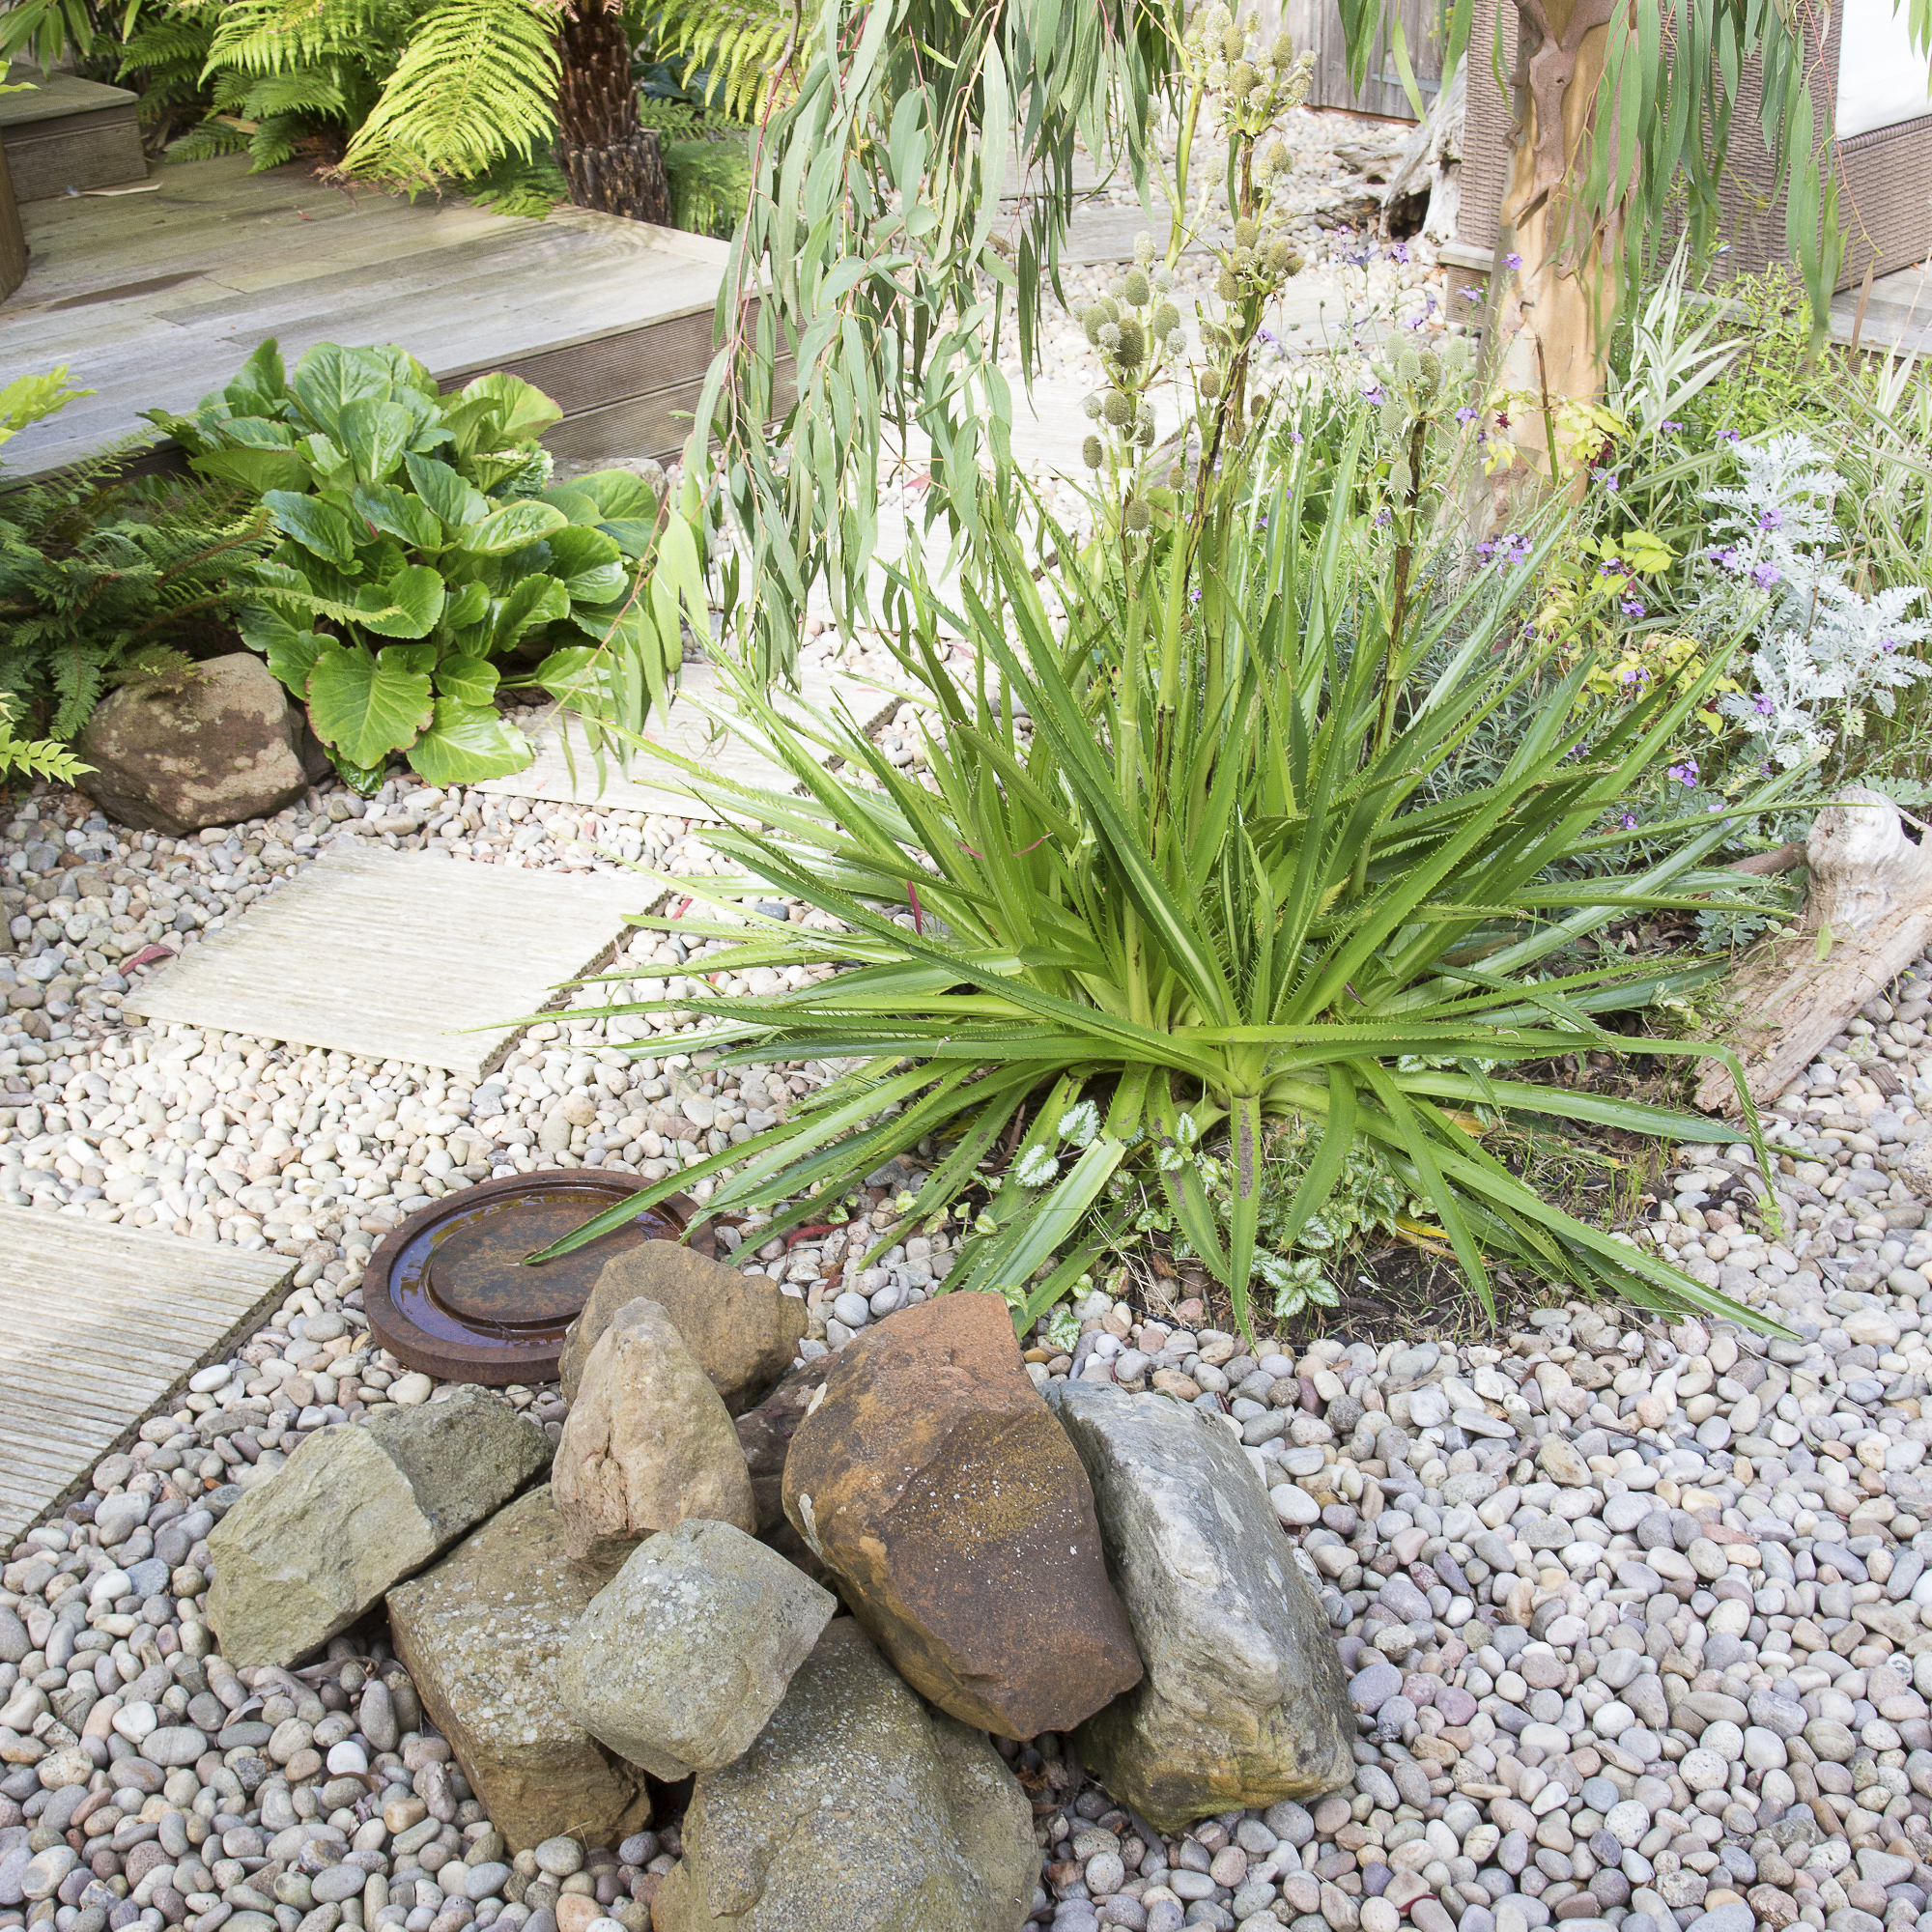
{"x": 1207, "y": 890}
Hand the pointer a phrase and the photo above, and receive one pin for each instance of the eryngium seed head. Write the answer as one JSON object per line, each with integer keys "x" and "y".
{"x": 1246, "y": 234}
{"x": 1136, "y": 289}
{"x": 1137, "y": 516}
{"x": 1118, "y": 409}
{"x": 1091, "y": 454}
{"x": 1166, "y": 320}
{"x": 1133, "y": 350}
{"x": 1143, "y": 250}
{"x": 1090, "y": 408}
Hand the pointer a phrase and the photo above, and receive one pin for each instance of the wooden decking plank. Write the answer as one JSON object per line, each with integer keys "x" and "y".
{"x": 75, "y": 1380}
{"x": 235, "y": 257}
{"x": 382, "y": 931}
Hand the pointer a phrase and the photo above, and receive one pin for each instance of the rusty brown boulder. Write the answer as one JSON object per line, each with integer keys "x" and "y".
{"x": 933, "y": 1482}
{"x": 743, "y": 1328}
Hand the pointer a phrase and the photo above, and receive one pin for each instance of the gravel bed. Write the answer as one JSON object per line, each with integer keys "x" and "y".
{"x": 1634, "y": 1614}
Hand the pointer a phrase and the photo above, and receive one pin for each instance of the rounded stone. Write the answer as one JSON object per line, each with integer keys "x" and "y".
{"x": 338, "y": 1884}
{"x": 486, "y": 1881}
{"x": 559, "y": 1857}
{"x": 1704, "y": 1770}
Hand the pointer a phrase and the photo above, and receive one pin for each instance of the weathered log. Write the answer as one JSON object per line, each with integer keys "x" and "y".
{"x": 1869, "y": 916}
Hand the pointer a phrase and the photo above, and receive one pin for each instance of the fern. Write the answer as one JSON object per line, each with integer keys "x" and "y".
{"x": 709, "y": 183}
{"x": 744, "y": 46}
{"x": 103, "y": 579}
{"x": 528, "y": 184}
{"x": 478, "y": 82}
{"x": 41, "y": 758}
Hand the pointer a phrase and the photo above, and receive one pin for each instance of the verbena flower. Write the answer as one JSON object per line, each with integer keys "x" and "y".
{"x": 1512, "y": 260}
{"x": 1685, "y": 774}
{"x": 1633, "y": 607}
{"x": 1472, "y": 295}
{"x": 1466, "y": 413}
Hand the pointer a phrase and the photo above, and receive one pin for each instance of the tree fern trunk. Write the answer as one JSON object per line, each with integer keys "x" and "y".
{"x": 612, "y": 162}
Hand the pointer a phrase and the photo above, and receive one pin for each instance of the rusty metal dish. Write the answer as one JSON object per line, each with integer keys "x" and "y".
{"x": 447, "y": 1292}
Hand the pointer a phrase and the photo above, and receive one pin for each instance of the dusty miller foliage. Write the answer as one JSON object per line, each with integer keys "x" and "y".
{"x": 1825, "y": 650}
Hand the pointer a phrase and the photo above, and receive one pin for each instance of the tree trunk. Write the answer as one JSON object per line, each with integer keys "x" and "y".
{"x": 1555, "y": 310}
{"x": 612, "y": 161}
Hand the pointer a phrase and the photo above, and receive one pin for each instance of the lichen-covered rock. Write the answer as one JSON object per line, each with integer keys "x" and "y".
{"x": 929, "y": 1476}
{"x": 355, "y": 1510}
{"x": 481, "y": 1636}
{"x": 647, "y": 1442}
{"x": 1244, "y": 1702}
{"x": 743, "y": 1328}
{"x": 217, "y": 745}
{"x": 682, "y": 1656}
{"x": 855, "y": 1809}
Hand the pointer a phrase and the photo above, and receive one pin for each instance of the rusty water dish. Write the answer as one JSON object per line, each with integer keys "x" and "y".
{"x": 447, "y": 1293}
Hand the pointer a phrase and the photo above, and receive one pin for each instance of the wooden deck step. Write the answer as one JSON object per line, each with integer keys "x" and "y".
{"x": 97, "y": 1325}
{"x": 397, "y": 955}
{"x": 155, "y": 299}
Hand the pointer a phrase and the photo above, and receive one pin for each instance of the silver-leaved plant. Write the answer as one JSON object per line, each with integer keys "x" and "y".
{"x": 1825, "y": 650}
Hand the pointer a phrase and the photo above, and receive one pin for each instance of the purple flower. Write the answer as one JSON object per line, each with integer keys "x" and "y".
{"x": 1889, "y": 645}
{"x": 1261, "y": 522}
{"x": 1466, "y": 413}
{"x": 1714, "y": 807}
{"x": 1765, "y": 576}
{"x": 1630, "y": 821}
{"x": 1296, "y": 436}
{"x": 1633, "y": 607}
{"x": 1635, "y": 674}
{"x": 1725, "y": 554}
{"x": 1771, "y": 520}
{"x": 1730, "y": 434}
{"x": 1473, "y": 295}
{"x": 1512, "y": 260}
{"x": 1763, "y": 706}
{"x": 1606, "y": 477}
{"x": 1669, "y": 427}
{"x": 1373, "y": 394}
{"x": 1194, "y": 596}
{"x": 1685, "y": 774}
{"x": 1400, "y": 252}
{"x": 1382, "y": 518}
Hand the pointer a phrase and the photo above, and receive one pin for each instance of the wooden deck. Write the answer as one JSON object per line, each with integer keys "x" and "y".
{"x": 397, "y": 955}
{"x": 99, "y": 1324}
{"x": 153, "y": 295}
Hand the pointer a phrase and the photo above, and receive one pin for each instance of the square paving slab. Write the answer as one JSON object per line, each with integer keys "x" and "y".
{"x": 397, "y": 955}
{"x": 564, "y": 768}
{"x": 99, "y": 1324}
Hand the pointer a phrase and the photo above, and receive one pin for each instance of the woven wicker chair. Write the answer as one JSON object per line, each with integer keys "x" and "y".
{"x": 1885, "y": 178}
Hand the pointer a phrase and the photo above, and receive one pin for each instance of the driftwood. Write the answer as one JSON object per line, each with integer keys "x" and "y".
{"x": 1424, "y": 196}
{"x": 1868, "y": 917}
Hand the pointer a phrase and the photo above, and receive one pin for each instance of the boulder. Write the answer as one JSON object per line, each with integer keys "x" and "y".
{"x": 354, "y": 1511}
{"x": 743, "y": 1328}
{"x": 765, "y": 1433}
{"x": 1244, "y": 1702}
{"x": 854, "y": 1808}
{"x": 219, "y": 744}
{"x": 647, "y": 1442}
{"x": 682, "y": 1656}
{"x": 930, "y": 1478}
{"x": 481, "y": 1636}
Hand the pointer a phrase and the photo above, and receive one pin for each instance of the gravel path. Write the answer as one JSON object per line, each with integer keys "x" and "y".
{"x": 1634, "y": 1615}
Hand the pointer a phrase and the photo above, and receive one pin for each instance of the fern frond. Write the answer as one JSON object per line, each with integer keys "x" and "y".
{"x": 270, "y": 36}
{"x": 208, "y": 141}
{"x": 740, "y": 43}
{"x": 709, "y": 183}
{"x": 477, "y": 81}
{"x": 528, "y": 186}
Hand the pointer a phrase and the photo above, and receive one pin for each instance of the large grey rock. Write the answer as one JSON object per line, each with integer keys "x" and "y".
{"x": 220, "y": 744}
{"x": 480, "y": 1636}
{"x": 1245, "y": 1701}
{"x": 355, "y": 1510}
{"x": 647, "y": 1443}
{"x": 679, "y": 1661}
{"x": 857, "y": 1809}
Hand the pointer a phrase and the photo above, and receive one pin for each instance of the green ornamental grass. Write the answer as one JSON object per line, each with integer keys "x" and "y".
{"x": 1181, "y": 875}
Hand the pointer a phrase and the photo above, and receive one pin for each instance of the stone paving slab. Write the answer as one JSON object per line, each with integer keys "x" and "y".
{"x": 397, "y": 955}
{"x": 99, "y": 1324}
{"x": 565, "y": 771}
